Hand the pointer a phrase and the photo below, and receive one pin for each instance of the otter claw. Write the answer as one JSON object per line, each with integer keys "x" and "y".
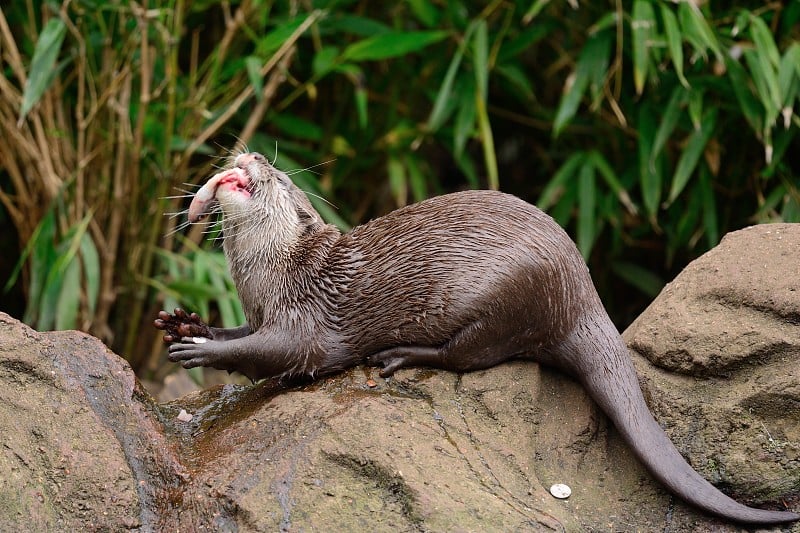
{"x": 181, "y": 325}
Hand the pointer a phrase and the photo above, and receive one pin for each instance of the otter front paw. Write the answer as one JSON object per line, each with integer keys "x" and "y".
{"x": 195, "y": 351}
{"x": 180, "y": 325}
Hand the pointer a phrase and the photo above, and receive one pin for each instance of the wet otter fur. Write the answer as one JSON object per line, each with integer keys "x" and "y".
{"x": 460, "y": 282}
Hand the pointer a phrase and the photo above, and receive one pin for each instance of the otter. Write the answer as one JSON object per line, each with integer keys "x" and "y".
{"x": 460, "y": 282}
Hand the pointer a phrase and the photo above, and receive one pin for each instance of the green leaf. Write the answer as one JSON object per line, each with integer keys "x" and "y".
{"x": 294, "y": 126}
{"x": 487, "y": 141}
{"x": 464, "y": 126}
{"x": 643, "y": 24}
{"x": 397, "y": 181}
{"x": 274, "y": 39}
{"x": 710, "y": 224}
{"x": 697, "y": 31}
{"x": 42, "y": 65}
{"x": 587, "y": 223}
{"x": 389, "y": 45}
{"x": 674, "y": 41}
{"x": 518, "y": 79}
{"x": 696, "y": 108}
{"x": 751, "y": 108}
{"x": 511, "y": 48}
{"x": 253, "y": 67}
{"x": 765, "y": 44}
{"x": 610, "y": 177}
{"x": 766, "y": 82}
{"x": 650, "y": 178}
{"x": 695, "y": 146}
{"x": 440, "y": 108}
{"x": 534, "y": 9}
{"x": 324, "y": 61}
{"x": 90, "y": 260}
{"x": 594, "y": 58}
{"x": 69, "y": 298}
{"x": 419, "y": 186}
{"x": 480, "y": 59}
{"x": 644, "y": 280}
{"x": 556, "y": 186}
{"x": 425, "y": 11}
{"x": 672, "y": 113}
{"x": 789, "y": 76}
{"x": 42, "y": 257}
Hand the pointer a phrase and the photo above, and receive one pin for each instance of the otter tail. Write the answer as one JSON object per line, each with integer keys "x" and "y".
{"x": 608, "y": 374}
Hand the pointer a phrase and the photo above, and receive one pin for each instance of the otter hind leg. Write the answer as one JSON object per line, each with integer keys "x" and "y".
{"x": 473, "y": 347}
{"x": 398, "y": 357}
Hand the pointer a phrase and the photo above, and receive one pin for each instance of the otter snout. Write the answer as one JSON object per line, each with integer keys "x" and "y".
{"x": 242, "y": 160}
{"x": 234, "y": 181}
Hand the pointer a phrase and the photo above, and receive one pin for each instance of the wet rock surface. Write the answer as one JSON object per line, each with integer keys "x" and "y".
{"x": 84, "y": 447}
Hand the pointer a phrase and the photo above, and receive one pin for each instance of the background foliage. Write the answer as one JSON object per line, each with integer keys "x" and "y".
{"x": 647, "y": 128}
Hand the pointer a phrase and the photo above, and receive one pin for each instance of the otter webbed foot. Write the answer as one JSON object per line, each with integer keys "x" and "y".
{"x": 191, "y": 352}
{"x": 399, "y": 357}
{"x": 181, "y": 325}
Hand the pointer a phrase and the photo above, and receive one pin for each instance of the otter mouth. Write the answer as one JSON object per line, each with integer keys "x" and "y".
{"x": 231, "y": 182}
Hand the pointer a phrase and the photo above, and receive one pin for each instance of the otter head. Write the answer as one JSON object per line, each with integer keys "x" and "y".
{"x": 256, "y": 197}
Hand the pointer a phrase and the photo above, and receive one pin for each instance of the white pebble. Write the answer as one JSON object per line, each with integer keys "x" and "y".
{"x": 560, "y": 491}
{"x": 183, "y": 416}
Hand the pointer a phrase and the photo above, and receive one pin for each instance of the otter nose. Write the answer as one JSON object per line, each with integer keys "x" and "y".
{"x": 243, "y": 160}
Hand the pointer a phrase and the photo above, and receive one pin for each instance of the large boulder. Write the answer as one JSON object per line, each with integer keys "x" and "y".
{"x": 85, "y": 446}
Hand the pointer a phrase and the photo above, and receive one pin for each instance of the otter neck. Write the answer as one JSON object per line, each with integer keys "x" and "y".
{"x": 267, "y": 268}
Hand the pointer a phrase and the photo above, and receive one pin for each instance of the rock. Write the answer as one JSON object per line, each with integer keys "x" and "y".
{"x": 85, "y": 447}
{"x": 721, "y": 344}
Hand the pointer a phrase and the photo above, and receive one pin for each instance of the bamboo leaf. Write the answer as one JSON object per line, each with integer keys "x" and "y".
{"x": 650, "y": 178}
{"x": 253, "y": 67}
{"x": 425, "y": 11}
{"x": 674, "y": 41}
{"x": 90, "y": 260}
{"x": 593, "y": 60}
{"x": 697, "y": 31}
{"x": 42, "y": 257}
{"x": 587, "y": 223}
{"x": 69, "y": 297}
{"x": 789, "y": 77}
{"x": 487, "y": 139}
{"x": 555, "y": 187}
{"x": 695, "y": 146}
{"x": 672, "y": 113}
{"x": 765, "y": 44}
{"x": 610, "y": 177}
{"x": 644, "y": 280}
{"x": 710, "y": 224}
{"x": 751, "y": 108}
{"x": 696, "y": 108}
{"x": 397, "y": 181}
{"x": 464, "y": 126}
{"x": 642, "y": 26}
{"x": 419, "y": 186}
{"x": 574, "y": 87}
{"x": 766, "y": 82}
{"x": 480, "y": 59}
{"x": 324, "y": 61}
{"x": 390, "y": 45}
{"x": 534, "y": 9}
{"x": 42, "y": 65}
{"x": 440, "y": 105}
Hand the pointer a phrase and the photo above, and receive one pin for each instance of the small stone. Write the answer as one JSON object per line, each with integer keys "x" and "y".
{"x": 183, "y": 416}
{"x": 560, "y": 491}
{"x": 371, "y": 383}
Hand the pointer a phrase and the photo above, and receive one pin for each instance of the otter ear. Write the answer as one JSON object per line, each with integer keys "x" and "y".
{"x": 306, "y": 213}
